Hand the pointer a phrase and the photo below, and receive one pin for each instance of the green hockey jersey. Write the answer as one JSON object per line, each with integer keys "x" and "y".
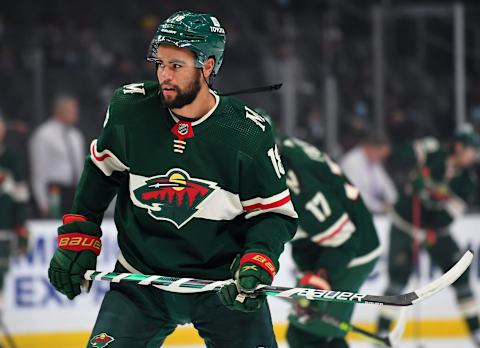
{"x": 191, "y": 195}
{"x": 336, "y": 230}
{"x": 444, "y": 191}
{"x": 14, "y": 193}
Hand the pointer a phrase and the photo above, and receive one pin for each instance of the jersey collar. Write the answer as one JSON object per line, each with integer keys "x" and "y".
{"x": 204, "y": 117}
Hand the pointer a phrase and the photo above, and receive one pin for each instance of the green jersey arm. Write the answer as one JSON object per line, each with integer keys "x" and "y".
{"x": 335, "y": 225}
{"x": 20, "y": 194}
{"x": 14, "y": 194}
{"x": 451, "y": 196}
{"x": 271, "y": 220}
{"x": 328, "y": 237}
{"x": 309, "y": 256}
{"x": 105, "y": 167}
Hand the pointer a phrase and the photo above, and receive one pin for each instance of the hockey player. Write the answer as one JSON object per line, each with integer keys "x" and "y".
{"x": 200, "y": 187}
{"x": 14, "y": 197}
{"x": 437, "y": 185}
{"x": 336, "y": 245}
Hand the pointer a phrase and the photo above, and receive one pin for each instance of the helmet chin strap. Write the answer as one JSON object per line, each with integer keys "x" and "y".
{"x": 209, "y": 84}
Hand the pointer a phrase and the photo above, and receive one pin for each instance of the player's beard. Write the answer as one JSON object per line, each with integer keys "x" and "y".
{"x": 186, "y": 96}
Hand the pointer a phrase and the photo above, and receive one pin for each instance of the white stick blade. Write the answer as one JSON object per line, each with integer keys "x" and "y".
{"x": 396, "y": 334}
{"x": 447, "y": 279}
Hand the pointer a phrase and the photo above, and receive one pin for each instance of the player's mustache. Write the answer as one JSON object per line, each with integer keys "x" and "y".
{"x": 169, "y": 86}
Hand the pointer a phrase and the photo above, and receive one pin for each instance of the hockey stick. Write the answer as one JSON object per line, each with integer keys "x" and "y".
{"x": 175, "y": 284}
{"x": 390, "y": 340}
{"x": 8, "y": 336}
{"x": 417, "y": 222}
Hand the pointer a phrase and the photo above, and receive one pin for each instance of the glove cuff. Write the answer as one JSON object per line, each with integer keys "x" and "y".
{"x": 68, "y": 218}
{"x": 260, "y": 260}
{"x": 79, "y": 242}
{"x": 317, "y": 280}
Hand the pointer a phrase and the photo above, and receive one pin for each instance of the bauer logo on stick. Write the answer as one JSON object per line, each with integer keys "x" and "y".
{"x": 174, "y": 197}
{"x": 101, "y": 340}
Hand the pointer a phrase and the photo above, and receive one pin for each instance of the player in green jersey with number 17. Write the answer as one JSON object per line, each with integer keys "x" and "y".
{"x": 336, "y": 245}
{"x": 199, "y": 194}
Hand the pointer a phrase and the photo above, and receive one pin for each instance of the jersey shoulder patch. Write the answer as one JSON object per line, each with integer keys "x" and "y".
{"x": 133, "y": 88}
{"x": 136, "y": 90}
{"x": 244, "y": 127}
{"x": 132, "y": 99}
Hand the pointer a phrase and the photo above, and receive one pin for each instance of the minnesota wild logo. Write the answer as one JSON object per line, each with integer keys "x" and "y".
{"x": 174, "y": 197}
{"x": 101, "y": 340}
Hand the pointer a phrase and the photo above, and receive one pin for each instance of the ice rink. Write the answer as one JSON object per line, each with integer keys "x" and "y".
{"x": 444, "y": 343}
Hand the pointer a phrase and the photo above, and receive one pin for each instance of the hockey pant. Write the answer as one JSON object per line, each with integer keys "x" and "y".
{"x": 134, "y": 316}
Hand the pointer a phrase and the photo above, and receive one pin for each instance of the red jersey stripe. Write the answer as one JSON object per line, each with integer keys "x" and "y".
{"x": 96, "y": 155}
{"x": 267, "y": 206}
{"x": 334, "y": 233}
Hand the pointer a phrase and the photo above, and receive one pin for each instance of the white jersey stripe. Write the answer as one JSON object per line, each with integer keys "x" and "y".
{"x": 266, "y": 200}
{"x": 280, "y": 203}
{"x": 362, "y": 260}
{"x": 337, "y": 234}
{"x": 105, "y": 160}
{"x": 286, "y": 209}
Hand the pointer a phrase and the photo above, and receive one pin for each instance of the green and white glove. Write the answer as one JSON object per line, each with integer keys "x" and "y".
{"x": 248, "y": 272}
{"x": 78, "y": 247}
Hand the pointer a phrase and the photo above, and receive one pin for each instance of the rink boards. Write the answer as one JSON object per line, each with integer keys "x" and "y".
{"x": 34, "y": 309}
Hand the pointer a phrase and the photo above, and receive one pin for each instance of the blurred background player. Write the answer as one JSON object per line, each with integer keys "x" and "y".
{"x": 336, "y": 245}
{"x": 57, "y": 152}
{"x": 439, "y": 184}
{"x": 14, "y": 196}
{"x": 363, "y": 165}
{"x": 180, "y": 211}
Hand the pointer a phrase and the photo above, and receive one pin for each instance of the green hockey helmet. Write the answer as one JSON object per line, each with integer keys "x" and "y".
{"x": 199, "y": 32}
{"x": 467, "y": 135}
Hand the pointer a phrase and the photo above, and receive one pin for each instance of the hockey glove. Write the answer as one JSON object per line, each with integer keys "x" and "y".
{"x": 78, "y": 247}
{"x": 248, "y": 272}
{"x": 21, "y": 234}
{"x": 316, "y": 280}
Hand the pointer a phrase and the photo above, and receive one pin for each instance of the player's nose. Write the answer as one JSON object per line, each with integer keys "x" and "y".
{"x": 165, "y": 74}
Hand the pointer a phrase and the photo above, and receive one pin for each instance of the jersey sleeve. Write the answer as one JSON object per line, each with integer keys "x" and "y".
{"x": 105, "y": 166}
{"x": 269, "y": 213}
{"x": 448, "y": 198}
{"x": 21, "y": 194}
{"x": 327, "y": 234}
{"x": 460, "y": 193}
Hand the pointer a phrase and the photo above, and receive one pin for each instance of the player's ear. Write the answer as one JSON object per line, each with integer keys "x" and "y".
{"x": 208, "y": 67}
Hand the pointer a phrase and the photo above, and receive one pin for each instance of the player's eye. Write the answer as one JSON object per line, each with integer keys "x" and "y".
{"x": 177, "y": 66}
